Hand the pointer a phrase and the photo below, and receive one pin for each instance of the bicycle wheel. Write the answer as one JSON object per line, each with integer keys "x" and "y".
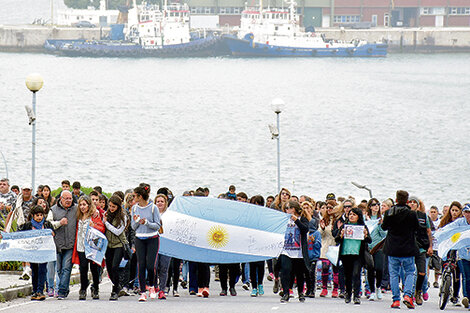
{"x": 444, "y": 293}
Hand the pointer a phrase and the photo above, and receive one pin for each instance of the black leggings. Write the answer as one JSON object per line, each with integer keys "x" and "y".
{"x": 94, "y": 268}
{"x": 352, "y": 273}
{"x": 113, "y": 259}
{"x": 228, "y": 270}
{"x": 146, "y": 250}
{"x": 174, "y": 273}
{"x": 374, "y": 276}
{"x": 256, "y": 273}
{"x": 203, "y": 275}
{"x": 291, "y": 267}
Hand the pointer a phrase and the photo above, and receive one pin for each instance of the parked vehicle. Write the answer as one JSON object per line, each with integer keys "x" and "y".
{"x": 84, "y": 24}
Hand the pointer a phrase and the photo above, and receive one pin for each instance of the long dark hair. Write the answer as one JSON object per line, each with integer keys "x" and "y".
{"x": 118, "y": 214}
{"x": 360, "y": 217}
{"x": 50, "y": 200}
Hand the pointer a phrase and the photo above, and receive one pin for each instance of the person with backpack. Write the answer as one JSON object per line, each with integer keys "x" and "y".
{"x": 424, "y": 241}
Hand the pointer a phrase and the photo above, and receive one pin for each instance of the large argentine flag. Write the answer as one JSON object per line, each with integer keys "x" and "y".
{"x": 36, "y": 246}
{"x": 459, "y": 240}
{"x": 212, "y": 230}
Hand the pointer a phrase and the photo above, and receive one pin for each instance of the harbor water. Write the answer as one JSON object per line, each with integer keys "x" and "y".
{"x": 389, "y": 123}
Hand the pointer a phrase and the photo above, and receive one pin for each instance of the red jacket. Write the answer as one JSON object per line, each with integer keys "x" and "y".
{"x": 98, "y": 224}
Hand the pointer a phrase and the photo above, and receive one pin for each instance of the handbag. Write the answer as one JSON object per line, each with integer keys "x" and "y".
{"x": 333, "y": 254}
{"x": 127, "y": 249}
{"x": 368, "y": 259}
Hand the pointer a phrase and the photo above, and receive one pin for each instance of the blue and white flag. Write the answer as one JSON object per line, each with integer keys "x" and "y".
{"x": 95, "y": 245}
{"x": 372, "y": 225}
{"x": 212, "y": 230}
{"x": 35, "y": 246}
{"x": 458, "y": 241}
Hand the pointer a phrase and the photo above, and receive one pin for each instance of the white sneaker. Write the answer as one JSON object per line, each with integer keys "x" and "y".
{"x": 372, "y": 297}
{"x": 379, "y": 294}
{"x": 152, "y": 293}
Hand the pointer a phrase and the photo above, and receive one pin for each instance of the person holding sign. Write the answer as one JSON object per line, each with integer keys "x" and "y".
{"x": 353, "y": 237}
{"x": 294, "y": 252}
{"x": 87, "y": 216}
{"x": 115, "y": 221}
{"x": 37, "y": 220}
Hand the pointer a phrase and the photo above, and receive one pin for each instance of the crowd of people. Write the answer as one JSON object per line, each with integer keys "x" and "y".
{"x": 341, "y": 247}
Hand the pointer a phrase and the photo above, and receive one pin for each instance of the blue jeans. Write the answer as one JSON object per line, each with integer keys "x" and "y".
{"x": 64, "y": 269}
{"x": 39, "y": 273}
{"x": 465, "y": 270}
{"x": 409, "y": 268}
{"x": 51, "y": 274}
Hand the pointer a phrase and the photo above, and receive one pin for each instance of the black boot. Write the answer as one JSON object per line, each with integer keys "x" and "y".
{"x": 95, "y": 293}
{"x": 82, "y": 295}
{"x": 285, "y": 297}
{"x": 114, "y": 296}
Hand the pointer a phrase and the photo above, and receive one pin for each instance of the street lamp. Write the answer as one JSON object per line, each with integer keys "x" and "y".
{"x": 277, "y": 106}
{"x": 363, "y": 187}
{"x": 34, "y": 83}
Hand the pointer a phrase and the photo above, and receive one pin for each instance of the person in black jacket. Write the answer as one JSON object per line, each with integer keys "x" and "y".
{"x": 295, "y": 251}
{"x": 401, "y": 248}
{"x": 352, "y": 254}
{"x": 37, "y": 220}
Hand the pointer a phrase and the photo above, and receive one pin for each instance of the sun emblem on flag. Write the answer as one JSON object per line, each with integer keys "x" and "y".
{"x": 455, "y": 237}
{"x": 217, "y": 237}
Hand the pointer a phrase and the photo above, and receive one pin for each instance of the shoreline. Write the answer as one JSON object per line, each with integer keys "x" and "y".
{"x": 31, "y": 38}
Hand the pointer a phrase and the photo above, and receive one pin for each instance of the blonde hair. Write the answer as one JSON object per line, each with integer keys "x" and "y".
{"x": 160, "y": 195}
{"x": 91, "y": 208}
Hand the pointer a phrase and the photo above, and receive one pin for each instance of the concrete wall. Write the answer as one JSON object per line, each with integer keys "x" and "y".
{"x": 32, "y": 38}
{"x": 408, "y": 39}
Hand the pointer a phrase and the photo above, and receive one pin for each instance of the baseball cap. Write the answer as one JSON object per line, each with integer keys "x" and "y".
{"x": 330, "y": 196}
{"x": 466, "y": 208}
{"x": 26, "y": 186}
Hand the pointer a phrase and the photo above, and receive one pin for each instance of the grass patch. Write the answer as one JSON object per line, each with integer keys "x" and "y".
{"x": 86, "y": 190}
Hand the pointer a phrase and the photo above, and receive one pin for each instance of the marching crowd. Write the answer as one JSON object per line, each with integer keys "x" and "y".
{"x": 330, "y": 244}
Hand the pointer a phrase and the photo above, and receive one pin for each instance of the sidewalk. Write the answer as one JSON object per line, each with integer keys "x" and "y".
{"x": 12, "y": 287}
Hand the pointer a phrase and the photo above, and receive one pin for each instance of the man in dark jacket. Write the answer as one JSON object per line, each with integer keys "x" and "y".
{"x": 400, "y": 247}
{"x": 66, "y": 214}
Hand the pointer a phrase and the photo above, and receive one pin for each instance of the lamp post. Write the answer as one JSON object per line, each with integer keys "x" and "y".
{"x": 34, "y": 83}
{"x": 277, "y": 106}
{"x": 363, "y": 187}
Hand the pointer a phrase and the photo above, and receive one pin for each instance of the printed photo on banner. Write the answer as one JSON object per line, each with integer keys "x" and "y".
{"x": 354, "y": 232}
{"x": 95, "y": 245}
{"x": 292, "y": 237}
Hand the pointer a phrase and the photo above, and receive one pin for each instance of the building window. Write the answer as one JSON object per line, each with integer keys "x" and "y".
{"x": 347, "y": 19}
{"x": 433, "y": 11}
{"x": 459, "y": 11}
{"x": 237, "y": 10}
{"x": 222, "y": 10}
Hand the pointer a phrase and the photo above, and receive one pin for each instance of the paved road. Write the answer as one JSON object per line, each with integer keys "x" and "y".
{"x": 242, "y": 303}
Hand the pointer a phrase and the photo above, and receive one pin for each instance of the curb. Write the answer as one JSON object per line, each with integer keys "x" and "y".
{"x": 9, "y": 294}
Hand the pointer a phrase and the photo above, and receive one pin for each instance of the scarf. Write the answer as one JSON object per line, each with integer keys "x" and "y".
{"x": 37, "y": 225}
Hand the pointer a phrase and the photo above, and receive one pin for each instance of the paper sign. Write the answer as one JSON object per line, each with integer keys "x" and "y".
{"x": 354, "y": 232}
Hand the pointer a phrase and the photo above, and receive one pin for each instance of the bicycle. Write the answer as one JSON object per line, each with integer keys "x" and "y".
{"x": 448, "y": 276}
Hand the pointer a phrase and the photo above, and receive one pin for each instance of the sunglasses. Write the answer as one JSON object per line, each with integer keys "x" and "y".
{"x": 347, "y": 206}
{"x": 374, "y": 204}
{"x": 284, "y": 194}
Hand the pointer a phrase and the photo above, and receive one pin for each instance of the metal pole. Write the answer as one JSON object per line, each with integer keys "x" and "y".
{"x": 5, "y": 161}
{"x": 278, "y": 155}
{"x": 33, "y": 169}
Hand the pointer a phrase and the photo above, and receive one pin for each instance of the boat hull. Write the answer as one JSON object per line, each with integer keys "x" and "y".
{"x": 205, "y": 47}
{"x": 248, "y": 48}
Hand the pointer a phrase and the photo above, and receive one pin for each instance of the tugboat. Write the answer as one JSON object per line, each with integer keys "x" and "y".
{"x": 277, "y": 33}
{"x": 152, "y": 33}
